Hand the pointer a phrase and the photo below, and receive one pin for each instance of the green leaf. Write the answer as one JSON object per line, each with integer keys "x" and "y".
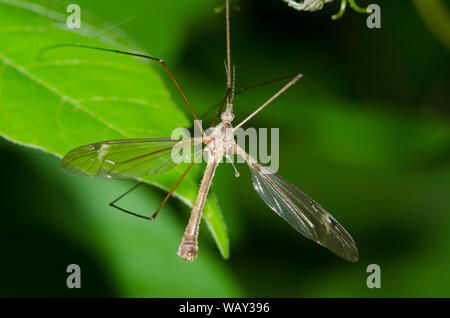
{"x": 69, "y": 97}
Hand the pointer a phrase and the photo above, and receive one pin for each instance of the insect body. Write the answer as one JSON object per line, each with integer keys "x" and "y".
{"x": 221, "y": 140}
{"x": 132, "y": 158}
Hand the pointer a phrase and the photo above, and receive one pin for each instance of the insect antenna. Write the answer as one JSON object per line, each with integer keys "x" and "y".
{"x": 226, "y": 98}
{"x": 161, "y": 61}
{"x": 227, "y": 18}
{"x": 155, "y": 214}
{"x": 244, "y": 89}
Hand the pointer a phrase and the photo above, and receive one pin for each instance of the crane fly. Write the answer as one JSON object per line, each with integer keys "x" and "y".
{"x": 134, "y": 158}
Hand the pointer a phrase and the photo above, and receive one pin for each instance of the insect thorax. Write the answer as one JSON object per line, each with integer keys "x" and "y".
{"x": 221, "y": 141}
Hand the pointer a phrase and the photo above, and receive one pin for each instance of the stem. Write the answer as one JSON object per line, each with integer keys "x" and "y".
{"x": 357, "y": 8}
{"x": 341, "y": 10}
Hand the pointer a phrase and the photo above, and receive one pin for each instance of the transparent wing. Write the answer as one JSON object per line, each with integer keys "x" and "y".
{"x": 301, "y": 212}
{"x": 127, "y": 158}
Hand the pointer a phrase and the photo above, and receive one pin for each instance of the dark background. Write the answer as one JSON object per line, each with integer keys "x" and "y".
{"x": 366, "y": 133}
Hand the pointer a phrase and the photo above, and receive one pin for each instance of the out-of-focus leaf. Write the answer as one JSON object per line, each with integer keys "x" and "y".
{"x": 435, "y": 14}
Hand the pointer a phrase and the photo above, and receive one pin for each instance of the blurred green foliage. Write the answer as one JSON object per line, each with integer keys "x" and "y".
{"x": 366, "y": 133}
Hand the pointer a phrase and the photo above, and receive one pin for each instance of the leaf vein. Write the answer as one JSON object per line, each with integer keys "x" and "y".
{"x": 75, "y": 62}
{"x": 88, "y": 29}
{"x": 137, "y": 101}
{"x": 58, "y": 93}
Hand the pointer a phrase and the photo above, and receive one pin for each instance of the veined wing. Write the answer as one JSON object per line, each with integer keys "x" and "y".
{"x": 300, "y": 211}
{"x": 127, "y": 158}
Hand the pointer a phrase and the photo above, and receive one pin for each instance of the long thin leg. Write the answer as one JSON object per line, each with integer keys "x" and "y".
{"x": 244, "y": 89}
{"x": 162, "y": 203}
{"x": 281, "y": 91}
{"x": 239, "y": 91}
{"x": 127, "y": 211}
{"x": 171, "y": 191}
{"x": 161, "y": 61}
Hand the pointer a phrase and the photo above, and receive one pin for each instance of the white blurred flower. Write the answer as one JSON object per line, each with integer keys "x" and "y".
{"x": 307, "y": 5}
